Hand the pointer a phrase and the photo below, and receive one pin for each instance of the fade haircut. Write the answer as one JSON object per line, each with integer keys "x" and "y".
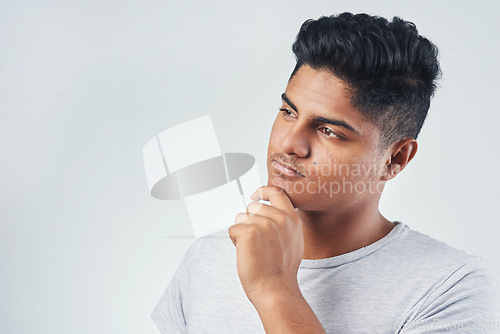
{"x": 391, "y": 70}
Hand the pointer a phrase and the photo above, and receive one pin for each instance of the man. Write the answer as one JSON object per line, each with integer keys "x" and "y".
{"x": 320, "y": 257}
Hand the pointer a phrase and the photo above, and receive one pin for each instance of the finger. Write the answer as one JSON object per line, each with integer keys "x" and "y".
{"x": 234, "y": 231}
{"x": 242, "y": 217}
{"x": 245, "y": 225}
{"x": 256, "y": 208}
{"x": 275, "y": 195}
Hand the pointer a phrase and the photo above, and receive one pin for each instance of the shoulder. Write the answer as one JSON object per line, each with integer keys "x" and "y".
{"x": 454, "y": 288}
{"x": 214, "y": 247}
{"x": 431, "y": 265}
{"x": 421, "y": 250}
{"x": 459, "y": 278}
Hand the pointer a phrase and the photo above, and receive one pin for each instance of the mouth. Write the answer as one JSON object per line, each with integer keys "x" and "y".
{"x": 285, "y": 169}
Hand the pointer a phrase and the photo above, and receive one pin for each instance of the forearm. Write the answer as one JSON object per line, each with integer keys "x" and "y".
{"x": 287, "y": 312}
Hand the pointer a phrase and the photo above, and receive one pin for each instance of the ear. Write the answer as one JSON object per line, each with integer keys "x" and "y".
{"x": 398, "y": 156}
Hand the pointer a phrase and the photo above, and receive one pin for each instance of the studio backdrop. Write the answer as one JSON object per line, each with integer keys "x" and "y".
{"x": 84, "y": 85}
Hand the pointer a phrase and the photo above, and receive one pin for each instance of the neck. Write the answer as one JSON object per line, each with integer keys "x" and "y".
{"x": 332, "y": 233}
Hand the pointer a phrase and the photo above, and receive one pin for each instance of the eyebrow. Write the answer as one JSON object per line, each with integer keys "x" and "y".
{"x": 336, "y": 122}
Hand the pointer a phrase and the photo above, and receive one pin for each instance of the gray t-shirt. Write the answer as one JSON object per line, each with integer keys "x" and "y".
{"x": 405, "y": 282}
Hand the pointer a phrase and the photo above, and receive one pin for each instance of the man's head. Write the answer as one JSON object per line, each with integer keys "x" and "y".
{"x": 352, "y": 110}
{"x": 390, "y": 69}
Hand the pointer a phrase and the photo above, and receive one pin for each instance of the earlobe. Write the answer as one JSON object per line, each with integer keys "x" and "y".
{"x": 402, "y": 153}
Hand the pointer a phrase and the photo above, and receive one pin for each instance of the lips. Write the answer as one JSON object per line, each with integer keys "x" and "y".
{"x": 285, "y": 169}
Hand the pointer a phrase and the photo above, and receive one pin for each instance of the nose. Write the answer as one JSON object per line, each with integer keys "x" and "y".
{"x": 295, "y": 141}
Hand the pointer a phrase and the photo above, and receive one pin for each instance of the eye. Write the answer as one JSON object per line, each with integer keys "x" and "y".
{"x": 329, "y": 133}
{"x": 287, "y": 113}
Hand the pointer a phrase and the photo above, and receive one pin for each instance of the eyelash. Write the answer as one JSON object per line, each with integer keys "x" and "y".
{"x": 332, "y": 132}
{"x": 288, "y": 113}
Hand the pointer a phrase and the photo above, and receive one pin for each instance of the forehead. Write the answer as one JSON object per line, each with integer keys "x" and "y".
{"x": 318, "y": 93}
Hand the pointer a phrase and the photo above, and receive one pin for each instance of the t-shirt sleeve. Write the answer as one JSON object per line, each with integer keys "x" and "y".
{"x": 168, "y": 314}
{"x": 468, "y": 301}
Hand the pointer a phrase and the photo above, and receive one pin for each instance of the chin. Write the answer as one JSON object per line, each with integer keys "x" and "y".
{"x": 301, "y": 200}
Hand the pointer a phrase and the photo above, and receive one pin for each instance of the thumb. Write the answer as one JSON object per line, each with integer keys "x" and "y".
{"x": 234, "y": 231}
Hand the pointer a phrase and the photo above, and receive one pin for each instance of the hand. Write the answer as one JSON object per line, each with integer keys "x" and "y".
{"x": 269, "y": 245}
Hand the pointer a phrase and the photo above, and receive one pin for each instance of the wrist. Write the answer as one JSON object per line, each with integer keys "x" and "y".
{"x": 285, "y": 310}
{"x": 277, "y": 294}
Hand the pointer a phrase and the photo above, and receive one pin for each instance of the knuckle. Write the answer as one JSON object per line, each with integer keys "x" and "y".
{"x": 281, "y": 220}
{"x": 240, "y": 217}
{"x": 276, "y": 189}
{"x": 271, "y": 226}
{"x": 252, "y": 231}
{"x": 254, "y": 207}
{"x": 251, "y": 207}
{"x": 266, "y": 225}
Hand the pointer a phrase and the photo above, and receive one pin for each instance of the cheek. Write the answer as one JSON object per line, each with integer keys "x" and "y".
{"x": 326, "y": 166}
{"x": 276, "y": 133}
{"x": 344, "y": 170}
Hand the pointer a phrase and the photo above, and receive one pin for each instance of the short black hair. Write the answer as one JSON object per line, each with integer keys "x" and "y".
{"x": 390, "y": 69}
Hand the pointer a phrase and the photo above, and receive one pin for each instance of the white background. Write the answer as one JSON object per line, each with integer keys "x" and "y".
{"x": 84, "y": 85}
